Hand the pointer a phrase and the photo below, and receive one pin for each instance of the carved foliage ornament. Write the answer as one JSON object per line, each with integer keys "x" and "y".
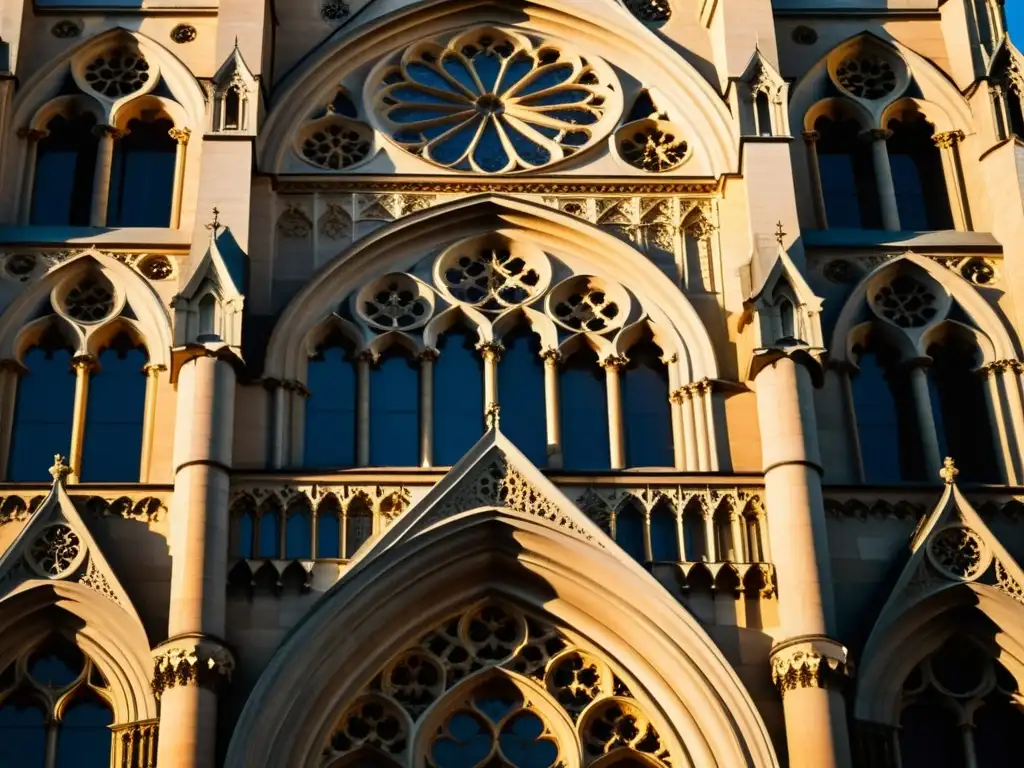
{"x": 653, "y": 145}
{"x": 811, "y": 663}
{"x": 491, "y": 100}
{"x": 958, "y": 553}
{"x": 191, "y": 661}
{"x": 487, "y": 716}
{"x": 56, "y": 551}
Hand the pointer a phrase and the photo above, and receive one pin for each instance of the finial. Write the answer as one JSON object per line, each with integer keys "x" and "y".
{"x": 493, "y": 416}
{"x": 949, "y": 471}
{"x": 59, "y": 471}
{"x": 780, "y": 234}
{"x": 214, "y": 225}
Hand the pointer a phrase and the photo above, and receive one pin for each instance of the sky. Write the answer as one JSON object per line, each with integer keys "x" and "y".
{"x": 1015, "y": 18}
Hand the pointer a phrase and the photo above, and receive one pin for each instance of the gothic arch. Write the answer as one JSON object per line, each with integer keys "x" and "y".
{"x": 995, "y": 341}
{"x": 150, "y": 324}
{"x": 403, "y": 242}
{"x": 698, "y": 704}
{"x": 111, "y": 636}
{"x": 711, "y": 134}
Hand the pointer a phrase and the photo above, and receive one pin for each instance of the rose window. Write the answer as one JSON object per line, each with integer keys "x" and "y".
{"x": 493, "y": 276}
{"x": 335, "y": 143}
{"x": 958, "y": 552}
{"x": 395, "y": 303}
{"x": 867, "y": 77}
{"x": 492, "y": 101}
{"x": 906, "y": 302}
{"x": 55, "y": 551}
{"x": 494, "y": 727}
{"x": 586, "y": 304}
{"x": 653, "y": 146}
{"x": 117, "y": 73}
{"x": 90, "y": 300}
{"x": 620, "y": 723}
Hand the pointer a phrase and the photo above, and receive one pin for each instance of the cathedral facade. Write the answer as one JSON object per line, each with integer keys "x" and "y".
{"x": 535, "y": 383}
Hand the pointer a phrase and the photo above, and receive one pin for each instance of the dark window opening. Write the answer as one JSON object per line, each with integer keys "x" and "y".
{"x": 646, "y": 412}
{"x": 395, "y": 411}
{"x": 764, "y": 114}
{"x": 232, "y": 110}
{"x": 847, "y": 176}
{"x": 65, "y": 167}
{"x": 1016, "y": 110}
{"x": 584, "y": 407}
{"x": 921, "y": 195}
{"x": 330, "y": 432}
{"x": 521, "y": 392}
{"x": 142, "y": 176}
{"x": 458, "y": 396}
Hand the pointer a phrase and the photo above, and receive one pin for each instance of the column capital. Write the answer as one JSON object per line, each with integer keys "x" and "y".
{"x": 551, "y": 355}
{"x": 876, "y": 134}
{"x": 810, "y": 661}
{"x": 615, "y": 362}
{"x": 108, "y": 130}
{"x": 948, "y": 139}
{"x": 192, "y": 660}
{"x": 811, "y": 137}
{"x": 677, "y": 396}
{"x": 802, "y": 354}
{"x": 996, "y": 366}
{"x": 85, "y": 363}
{"x": 428, "y": 355}
{"x": 368, "y": 356}
{"x": 152, "y": 370}
{"x": 490, "y": 350}
{"x": 32, "y": 134}
{"x": 181, "y": 356}
{"x": 180, "y": 135}
{"x": 9, "y": 365}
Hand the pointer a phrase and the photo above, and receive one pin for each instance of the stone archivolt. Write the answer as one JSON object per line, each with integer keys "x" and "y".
{"x": 488, "y": 653}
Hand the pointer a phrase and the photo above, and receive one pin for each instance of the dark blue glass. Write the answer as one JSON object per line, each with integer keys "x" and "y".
{"x": 65, "y": 165}
{"x": 664, "y": 535}
{"x": 331, "y": 410}
{"x": 269, "y": 542}
{"x": 43, "y": 413}
{"x": 584, "y": 406}
{"x": 629, "y": 532}
{"x": 85, "y": 738}
{"x": 142, "y": 176}
{"x": 22, "y": 735}
{"x": 646, "y": 411}
{"x": 358, "y": 528}
{"x": 521, "y": 392}
{"x": 395, "y": 412}
{"x": 246, "y": 536}
{"x": 694, "y": 536}
{"x": 298, "y": 535}
{"x": 522, "y": 744}
{"x": 839, "y": 188}
{"x": 57, "y": 664}
{"x": 328, "y": 532}
{"x": 458, "y": 397}
{"x": 930, "y": 736}
{"x": 113, "y": 419}
{"x": 877, "y": 422}
{"x": 910, "y": 193}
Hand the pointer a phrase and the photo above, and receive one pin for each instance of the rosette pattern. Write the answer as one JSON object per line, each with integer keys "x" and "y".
{"x": 491, "y": 101}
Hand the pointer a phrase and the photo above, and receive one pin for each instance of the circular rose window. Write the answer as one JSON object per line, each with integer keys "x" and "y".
{"x": 492, "y": 100}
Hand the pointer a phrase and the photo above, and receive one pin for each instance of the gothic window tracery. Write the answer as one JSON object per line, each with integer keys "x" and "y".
{"x": 494, "y": 686}
{"x": 490, "y": 100}
{"x": 55, "y": 709}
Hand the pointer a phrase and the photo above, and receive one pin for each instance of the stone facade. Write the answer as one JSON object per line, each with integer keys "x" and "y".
{"x": 535, "y": 382}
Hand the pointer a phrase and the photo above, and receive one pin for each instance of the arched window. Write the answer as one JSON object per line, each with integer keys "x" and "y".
{"x": 330, "y": 434}
{"x": 787, "y": 319}
{"x": 298, "y": 533}
{"x": 208, "y": 318}
{"x": 54, "y": 710}
{"x": 142, "y": 175}
{"x": 244, "y": 530}
{"x": 960, "y": 710}
{"x": 847, "y": 176}
{"x": 358, "y": 526}
{"x": 725, "y": 545}
{"x": 889, "y": 438}
{"x": 328, "y": 529}
{"x": 646, "y": 411}
{"x": 458, "y": 396}
{"x": 958, "y": 404}
{"x": 763, "y": 110}
{"x": 584, "y": 406}
{"x": 114, "y": 417}
{"x": 521, "y": 392}
{"x": 664, "y": 534}
{"x": 629, "y": 531}
{"x": 232, "y": 109}
{"x": 268, "y": 532}
{"x": 43, "y": 411}
{"x": 65, "y": 167}
{"x": 395, "y": 411}
{"x": 695, "y": 540}
{"x": 1016, "y": 109}
{"x": 921, "y": 195}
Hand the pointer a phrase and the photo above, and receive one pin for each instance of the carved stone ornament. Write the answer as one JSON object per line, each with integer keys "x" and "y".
{"x": 191, "y": 660}
{"x": 652, "y": 145}
{"x": 958, "y": 553}
{"x": 810, "y": 662}
{"x": 56, "y": 551}
{"x": 650, "y": 11}
{"x": 183, "y": 33}
{"x": 335, "y": 10}
{"x": 66, "y": 29}
{"x": 497, "y": 484}
{"x": 294, "y": 223}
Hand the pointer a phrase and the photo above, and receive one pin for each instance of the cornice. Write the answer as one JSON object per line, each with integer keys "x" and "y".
{"x": 508, "y": 184}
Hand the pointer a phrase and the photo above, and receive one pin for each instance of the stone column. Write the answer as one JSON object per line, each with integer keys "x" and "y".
{"x": 491, "y": 353}
{"x": 925, "y": 418}
{"x": 883, "y": 177}
{"x": 101, "y": 178}
{"x": 84, "y": 365}
{"x": 194, "y": 663}
{"x": 552, "y": 409}
{"x": 807, "y": 665}
{"x": 700, "y": 419}
{"x": 149, "y": 419}
{"x": 948, "y": 143}
{"x": 814, "y": 170}
{"x": 613, "y": 366}
{"x": 181, "y": 136}
{"x": 10, "y": 373}
{"x": 32, "y": 138}
{"x": 685, "y": 395}
{"x": 427, "y": 358}
{"x": 363, "y": 363}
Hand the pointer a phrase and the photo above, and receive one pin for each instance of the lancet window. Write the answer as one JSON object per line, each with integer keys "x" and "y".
{"x": 55, "y": 709}
{"x": 84, "y": 385}
{"x": 109, "y": 152}
{"x": 960, "y": 709}
{"x": 916, "y": 391}
{"x": 876, "y": 158}
{"x": 493, "y": 685}
{"x": 405, "y": 371}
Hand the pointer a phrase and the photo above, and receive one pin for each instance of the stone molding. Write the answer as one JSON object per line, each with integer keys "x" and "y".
{"x": 810, "y": 661}
{"x": 192, "y": 660}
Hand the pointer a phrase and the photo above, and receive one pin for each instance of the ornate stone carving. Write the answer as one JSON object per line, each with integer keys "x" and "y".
{"x": 334, "y": 10}
{"x": 1007, "y": 584}
{"x": 867, "y": 76}
{"x": 90, "y": 300}
{"x": 95, "y": 580}
{"x": 191, "y": 660}
{"x": 56, "y": 551}
{"x": 334, "y": 142}
{"x": 156, "y": 267}
{"x": 810, "y": 662}
{"x": 395, "y": 302}
{"x": 183, "y": 33}
{"x": 335, "y": 223}
{"x": 589, "y": 304}
{"x": 66, "y": 29}
{"x": 294, "y": 223}
{"x": 650, "y": 11}
{"x": 493, "y": 275}
{"x": 118, "y": 72}
{"x": 958, "y": 553}
{"x": 653, "y": 145}
{"x": 907, "y": 302}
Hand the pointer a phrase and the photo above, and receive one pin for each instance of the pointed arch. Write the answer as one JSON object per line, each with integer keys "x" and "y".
{"x": 701, "y": 108}
{"x": 594, "y": 593}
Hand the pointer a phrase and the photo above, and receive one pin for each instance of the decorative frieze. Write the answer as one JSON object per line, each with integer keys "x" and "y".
{"x": 980, "y": 270}
{"x": 17, "y": 507}
{"x": 812, "y": 661}
{"x": 191, "y": 660}
{"x": 28, "y": 265}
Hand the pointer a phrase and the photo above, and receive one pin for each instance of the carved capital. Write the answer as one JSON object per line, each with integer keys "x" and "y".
{"x": 677, "y": 396}
{"x": 810, "y": 661}
{"x": 615, "y": 362}
{"x": 85, "y": 363}
{"x": 153, "y": 370}
{"x": 180, "y": 135}
{"x": 551, "y": 356}
{"x": 948, "y": 139}
{"x": 876, "y": 134}
{"x": 32, "y": 134}
{"x": 192, "y": 660}
{"x": 108, "y": 130}
{"x": 491, "y": 350}
{"x": 428, "y": 355}
{"x": 811, "y": 137}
